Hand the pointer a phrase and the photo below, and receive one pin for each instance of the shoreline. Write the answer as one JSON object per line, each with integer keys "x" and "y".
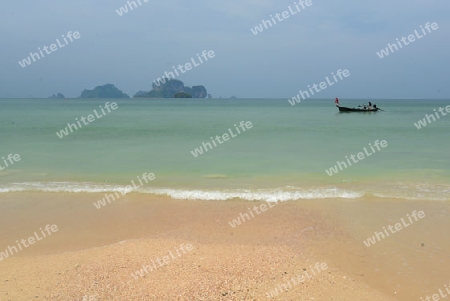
{"x": 99, "y": 250}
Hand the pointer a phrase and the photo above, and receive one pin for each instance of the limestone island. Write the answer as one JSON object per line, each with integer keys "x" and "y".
{"x": 172, "y": 88}
{"x": 105, "y": 91}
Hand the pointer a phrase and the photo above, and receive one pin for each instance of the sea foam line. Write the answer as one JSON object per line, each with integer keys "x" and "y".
{"x": 413, "y": 191}
{"x": 269, "y": 195}
{"x": 288, "y": 193}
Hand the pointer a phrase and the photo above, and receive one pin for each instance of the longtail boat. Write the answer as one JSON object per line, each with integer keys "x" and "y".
{"x": 345, "y": 109}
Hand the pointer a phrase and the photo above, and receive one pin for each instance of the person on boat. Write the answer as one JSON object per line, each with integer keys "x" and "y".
{"x": 375, "y": 106}
{"x": 370, "y": 105}
{"x": 336, "y": 102}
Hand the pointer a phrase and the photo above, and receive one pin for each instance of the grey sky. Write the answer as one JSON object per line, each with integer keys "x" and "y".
{"x": 132, "y": 50}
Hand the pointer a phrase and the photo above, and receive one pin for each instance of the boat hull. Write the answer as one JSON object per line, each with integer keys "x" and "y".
{"x": 345, "y": 109}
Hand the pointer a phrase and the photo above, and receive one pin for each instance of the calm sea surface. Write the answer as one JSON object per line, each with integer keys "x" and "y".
{"x": 283, "y": 157}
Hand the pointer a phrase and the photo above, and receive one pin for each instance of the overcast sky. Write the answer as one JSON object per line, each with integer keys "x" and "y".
{"x": 132, "y": 50}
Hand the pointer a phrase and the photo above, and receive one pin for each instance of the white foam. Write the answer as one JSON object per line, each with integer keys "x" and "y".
{"x": 63, "y": 187}
{"x": 418, "y": 191}
{"x": 288, "y": 193}
{"x": 270, "y": 195}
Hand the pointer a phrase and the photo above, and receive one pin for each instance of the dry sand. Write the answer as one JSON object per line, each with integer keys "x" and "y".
{"x": 95, "y": 251}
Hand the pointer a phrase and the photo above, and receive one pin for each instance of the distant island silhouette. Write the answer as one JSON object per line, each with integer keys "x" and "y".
{"x": 105, "y": 91}
{"x": 171, "y": 88}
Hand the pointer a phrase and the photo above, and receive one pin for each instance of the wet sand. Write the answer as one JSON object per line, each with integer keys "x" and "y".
{"x": 96, "y": 251}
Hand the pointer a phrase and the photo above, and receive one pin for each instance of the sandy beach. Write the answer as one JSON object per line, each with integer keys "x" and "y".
{"x": 96, "y": 252}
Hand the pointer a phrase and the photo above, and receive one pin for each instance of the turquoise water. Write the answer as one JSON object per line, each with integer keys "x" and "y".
{"x": 283, "y": 156}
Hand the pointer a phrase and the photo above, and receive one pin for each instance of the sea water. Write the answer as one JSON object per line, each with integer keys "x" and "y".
{"x": 284, "y": 156}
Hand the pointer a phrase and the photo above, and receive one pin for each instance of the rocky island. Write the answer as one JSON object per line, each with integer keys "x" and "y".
{"x": 105, "y": 91}
{"x": 169, "y": 88}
